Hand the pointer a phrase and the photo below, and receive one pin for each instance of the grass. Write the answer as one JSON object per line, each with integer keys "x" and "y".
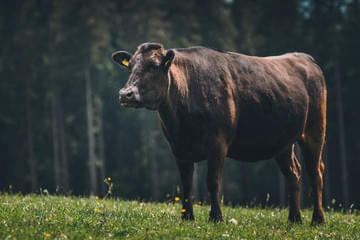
{"x": 54, "y": 217}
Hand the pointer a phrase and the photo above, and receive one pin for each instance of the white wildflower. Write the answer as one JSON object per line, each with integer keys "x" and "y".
{"x": 234, "y": 221}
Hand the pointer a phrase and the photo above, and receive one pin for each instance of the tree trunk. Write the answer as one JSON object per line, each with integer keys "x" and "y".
{"x": 196, "y": 183}
{"x": 64, "y": 159}
{"x": 244, "y": 176}
{"x": 55, "y": 137}
{"x": 154, "y": 165}
{"x": 30, "y": 143}
{"x": 91, "y": 137}
{"x": 341, "y": 126}
{"x": 101, "y": 148}
{"x": 327, "y": 186}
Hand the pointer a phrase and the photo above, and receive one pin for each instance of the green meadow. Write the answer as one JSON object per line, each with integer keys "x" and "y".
{"x": 58, "y": 217}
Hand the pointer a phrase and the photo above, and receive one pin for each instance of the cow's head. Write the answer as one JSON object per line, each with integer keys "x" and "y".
{"x": 148, "y": 81}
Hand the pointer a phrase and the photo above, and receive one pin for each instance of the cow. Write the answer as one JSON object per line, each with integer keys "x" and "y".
{"x": 215, "y": 104}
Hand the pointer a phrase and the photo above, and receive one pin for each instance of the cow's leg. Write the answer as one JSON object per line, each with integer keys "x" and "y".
{"x": 312, "y": 148}
{"x": 291, "y": 169}
{"x": 186, "y": 173}
{"x": 311, "y": 144}
{"x": 214, "y": 177}
{"x": 216, "y": 160}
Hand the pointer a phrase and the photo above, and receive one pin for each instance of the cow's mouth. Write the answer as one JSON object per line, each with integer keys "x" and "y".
{"x": 138, "y": 104}
{"x": 131, "y": 104}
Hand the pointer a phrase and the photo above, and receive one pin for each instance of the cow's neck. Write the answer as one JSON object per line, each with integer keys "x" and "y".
{"x": 176, "y": 100}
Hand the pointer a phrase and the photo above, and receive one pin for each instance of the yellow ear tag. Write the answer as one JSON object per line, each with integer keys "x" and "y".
{"x": 125, "y": 62}
{"x": 166, "y": 63}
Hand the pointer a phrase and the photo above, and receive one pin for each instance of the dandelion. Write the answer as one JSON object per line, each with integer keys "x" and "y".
{"x": 47, "y": 235}
{"x": 97, "y": 210}
{"x": 109, "y": 179}
{"x": 10, "y": 186}
{"x": 177, "y": 199}
{"x": 183, "y": 210}
{"x": 96, "y": 197}
{"x": 195, "y": 205}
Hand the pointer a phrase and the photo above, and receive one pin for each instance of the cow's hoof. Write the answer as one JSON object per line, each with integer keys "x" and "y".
{"x": 188, "y": 217}
{"x": 215, "y": 217}
{"x": 295, "y": 219}
{"x": 317, "y": 221}
{"x": 318, "y": 218}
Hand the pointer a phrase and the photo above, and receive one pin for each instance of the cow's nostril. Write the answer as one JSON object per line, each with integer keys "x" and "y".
{"x": 129, "y": 94}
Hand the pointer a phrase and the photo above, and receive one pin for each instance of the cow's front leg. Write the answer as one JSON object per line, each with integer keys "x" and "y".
{"x": 186, "y": 173}
{"x": 214, "y": 177}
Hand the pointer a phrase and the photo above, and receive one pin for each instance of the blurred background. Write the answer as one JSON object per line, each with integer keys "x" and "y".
{"x": 62, "y": 129}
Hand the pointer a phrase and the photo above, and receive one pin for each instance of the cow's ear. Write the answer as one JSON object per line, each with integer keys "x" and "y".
{"x": 167, "y": 60}
{"x": 122, "y": 58}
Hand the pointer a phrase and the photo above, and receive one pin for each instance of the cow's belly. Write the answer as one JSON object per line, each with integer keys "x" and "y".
{"x": 255, "y": 148}
{"x": 263, "y": 137}
{"x": 254, "y": 154}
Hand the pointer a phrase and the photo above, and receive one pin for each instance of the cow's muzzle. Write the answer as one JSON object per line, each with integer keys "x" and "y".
{"x": 129, "y": 97}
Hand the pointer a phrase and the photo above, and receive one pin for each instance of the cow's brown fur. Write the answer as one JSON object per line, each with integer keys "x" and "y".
{"x": 214, "y": 105}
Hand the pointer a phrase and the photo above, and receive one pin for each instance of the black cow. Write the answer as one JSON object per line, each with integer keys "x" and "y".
{"x": 215, "y": 104}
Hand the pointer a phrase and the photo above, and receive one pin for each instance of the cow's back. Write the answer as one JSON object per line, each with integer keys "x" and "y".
{"x": 261, "y": 104}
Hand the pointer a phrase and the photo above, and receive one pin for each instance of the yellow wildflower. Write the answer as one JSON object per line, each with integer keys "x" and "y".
{"x": 96, "y": 197}
{"x": 47, "y": 235}
{"x": 195, "y": 205}
{"x": 177, "y": 199}
{"x": 97, "y": 210}
{"x": 109, "y": 179}
{"x": 10, "y": 186}
{"x": 183, "y": 210}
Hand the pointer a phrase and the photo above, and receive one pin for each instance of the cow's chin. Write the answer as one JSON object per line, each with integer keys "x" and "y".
{"x": 131, "y": 104}
{"x": 152, "y": 106}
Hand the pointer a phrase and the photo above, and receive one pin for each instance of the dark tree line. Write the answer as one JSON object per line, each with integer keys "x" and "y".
{"x": 63, "y": 130}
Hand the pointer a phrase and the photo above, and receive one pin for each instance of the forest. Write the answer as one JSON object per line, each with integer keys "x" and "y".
{"x": 63, "y": 131}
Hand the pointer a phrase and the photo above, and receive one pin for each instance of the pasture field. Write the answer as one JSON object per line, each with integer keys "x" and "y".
{"x": 57, "y": 217}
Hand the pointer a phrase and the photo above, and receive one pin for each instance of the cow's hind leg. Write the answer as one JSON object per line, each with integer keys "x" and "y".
{"x": 291, "y": 169}
{"x": 311, "y": 144}
{"x": 311, "y": 147}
